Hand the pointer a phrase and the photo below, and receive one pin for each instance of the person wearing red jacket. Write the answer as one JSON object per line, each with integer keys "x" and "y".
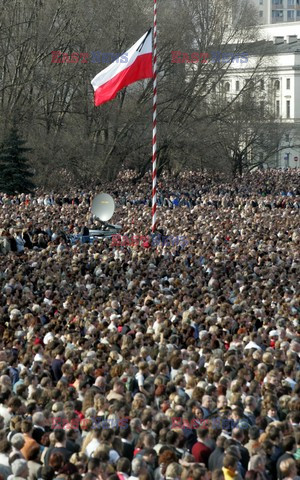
{"x": 200, "y": 450}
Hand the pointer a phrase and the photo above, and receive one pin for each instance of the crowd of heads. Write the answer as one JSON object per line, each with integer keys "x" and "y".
{"x": 152, "y": 361}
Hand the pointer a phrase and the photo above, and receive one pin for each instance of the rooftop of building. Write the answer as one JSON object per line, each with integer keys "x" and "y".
{"x": 279, "y": 45}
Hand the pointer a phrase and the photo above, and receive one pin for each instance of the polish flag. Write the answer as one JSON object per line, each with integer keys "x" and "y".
{"x": 119, "y": 75}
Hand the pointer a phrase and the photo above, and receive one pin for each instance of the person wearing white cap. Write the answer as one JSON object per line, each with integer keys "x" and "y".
{"x": 38, "y": 358}
{"x": 48, "y": 338}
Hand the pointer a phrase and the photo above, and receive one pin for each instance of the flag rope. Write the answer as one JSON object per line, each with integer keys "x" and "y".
{"x": 154, "y": 152}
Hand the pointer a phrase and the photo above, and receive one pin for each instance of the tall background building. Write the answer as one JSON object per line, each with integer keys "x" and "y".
{"x": 278, "y": 11}
{"x": 280, "y": 89}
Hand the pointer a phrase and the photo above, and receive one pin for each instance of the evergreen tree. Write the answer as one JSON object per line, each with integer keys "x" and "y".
{"x": 15, "y": 172}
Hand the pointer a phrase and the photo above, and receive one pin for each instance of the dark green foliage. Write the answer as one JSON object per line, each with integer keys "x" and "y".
{"x": 15, "y": 173}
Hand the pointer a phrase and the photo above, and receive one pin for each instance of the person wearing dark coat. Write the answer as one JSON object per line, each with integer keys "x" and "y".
{"x": 13, "y": 243}
{"x": 28, "y": 243}
{"x": 290, "y": 446}
{"x": 215, "y": 460}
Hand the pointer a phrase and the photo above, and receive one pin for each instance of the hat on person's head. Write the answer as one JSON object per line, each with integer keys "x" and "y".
{"x": 38, "y": 358}
{"x": 48, "y": 338}
{"x": 274, "y": 333}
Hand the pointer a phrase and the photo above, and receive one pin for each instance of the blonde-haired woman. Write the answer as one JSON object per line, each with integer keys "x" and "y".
{"x": 100, "y": 405}
{"x": 91, "y": 442}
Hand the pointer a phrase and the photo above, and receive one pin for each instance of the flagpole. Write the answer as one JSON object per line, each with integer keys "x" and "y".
{"x": 154, "y": 153}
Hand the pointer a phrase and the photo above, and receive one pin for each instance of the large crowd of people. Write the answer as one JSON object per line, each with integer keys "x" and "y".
{"x": 160, "y": 361}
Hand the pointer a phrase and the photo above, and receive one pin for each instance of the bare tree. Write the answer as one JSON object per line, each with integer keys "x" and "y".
{"x": 54, "y": 101}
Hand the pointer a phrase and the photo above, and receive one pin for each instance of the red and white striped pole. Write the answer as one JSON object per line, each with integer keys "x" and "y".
{"x": 154, "y": 155}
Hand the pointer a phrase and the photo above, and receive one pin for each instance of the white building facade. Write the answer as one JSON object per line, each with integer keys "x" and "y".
{"x": 283, "y": 81}
{"x": 268, "y": 32}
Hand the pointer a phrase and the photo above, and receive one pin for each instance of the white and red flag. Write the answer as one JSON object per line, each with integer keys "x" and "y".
{"x": 122, "y": 72}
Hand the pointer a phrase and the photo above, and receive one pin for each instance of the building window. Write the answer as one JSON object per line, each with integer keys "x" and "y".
{"x": 288, "y": 83}
{"x": 276, "y": 2}
{"x": 262, "y": 107}
{"x": 291, "y": 14}
{"x": 227, "y": 87}
{"x": 277, "y": 14}
{"x": 287, "y": 138}
{"x": 262, "y": 85}
{"x": 261, "y": 2}
{"x": 288, "y": 109}
{"x": 237, "y": 86}
{"x": 261, "y": 13}
{"x": 277, "y": 108}
{"x": 277, "y": 85}
{"x": 291, "y": 2}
